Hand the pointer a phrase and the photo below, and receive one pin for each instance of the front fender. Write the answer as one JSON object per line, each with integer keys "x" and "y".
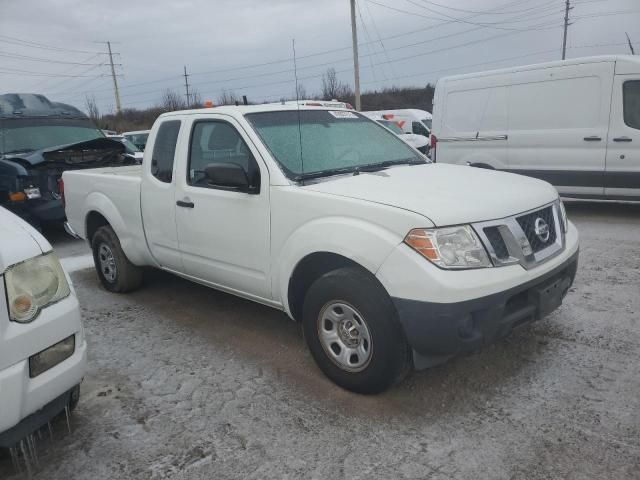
{"x": 363, "y": 242}
{"x": 129, "y": 233}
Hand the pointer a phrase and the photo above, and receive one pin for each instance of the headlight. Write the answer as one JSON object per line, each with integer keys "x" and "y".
{"x": 450, "y": 247}
{"x": 564, "y": 221}
{"x": 34, "y": 284}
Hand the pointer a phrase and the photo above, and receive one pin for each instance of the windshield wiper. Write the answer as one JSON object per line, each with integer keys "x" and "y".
{"x": 374, "y": 167}
{"x": 325, "y": 173}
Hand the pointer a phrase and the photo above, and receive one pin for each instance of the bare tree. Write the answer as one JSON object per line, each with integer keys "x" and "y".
{"x": 332, "y": 88}
{"x": 228, "y": 97}
{"x": 330, "y": 84}
{"x": 302, "y": 92}
{"x": 172, "y": 100}
{"x": 196, "y": 99}
{"x": 92, "y": 109}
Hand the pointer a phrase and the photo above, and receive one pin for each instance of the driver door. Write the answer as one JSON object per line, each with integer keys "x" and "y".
{"x": 224, "y": 235}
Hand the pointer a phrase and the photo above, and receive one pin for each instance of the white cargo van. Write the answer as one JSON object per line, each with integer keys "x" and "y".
{"x": 411, "y": 120}
{"x": 574, "y": 123}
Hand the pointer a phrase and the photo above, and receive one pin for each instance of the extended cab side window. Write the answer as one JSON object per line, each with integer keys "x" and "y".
{"x": 419, "y": 129}
{"x": 218, "y": 142}
{"x": 164, "y": 150}
{"x": 631, "y": 99}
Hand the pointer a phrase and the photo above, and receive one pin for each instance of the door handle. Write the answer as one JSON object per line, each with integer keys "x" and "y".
{"x": 185, "y": 204}
{"x": 622, "y": 139}
{"x": 592, "y": 138}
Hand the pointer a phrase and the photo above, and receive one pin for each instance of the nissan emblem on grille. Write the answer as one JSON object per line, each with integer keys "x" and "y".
{"x": 542, "y": 229}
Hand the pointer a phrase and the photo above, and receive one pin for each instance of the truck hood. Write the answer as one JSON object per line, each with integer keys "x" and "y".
{"x": 90, "y": 151}
{"x": 19, "y": 240}
{"x": 445, "y": 194}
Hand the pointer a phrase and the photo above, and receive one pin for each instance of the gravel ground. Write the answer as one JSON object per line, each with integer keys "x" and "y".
{"x": 189, "y": 383}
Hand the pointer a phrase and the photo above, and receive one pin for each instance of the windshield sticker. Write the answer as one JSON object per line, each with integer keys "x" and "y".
{"x": 342, "y": 114}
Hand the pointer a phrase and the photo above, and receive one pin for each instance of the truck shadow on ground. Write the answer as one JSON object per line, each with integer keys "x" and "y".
{"x": 267, "y": 338}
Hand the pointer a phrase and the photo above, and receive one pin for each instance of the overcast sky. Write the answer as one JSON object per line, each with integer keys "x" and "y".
{"x": 245, "y": 45}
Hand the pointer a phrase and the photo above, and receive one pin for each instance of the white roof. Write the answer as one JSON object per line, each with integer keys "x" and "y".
{"x": 244, "y": 109}
{"x": 630, "y": 60}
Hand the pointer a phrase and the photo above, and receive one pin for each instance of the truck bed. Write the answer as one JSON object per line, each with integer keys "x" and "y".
{"x": 113, "y": 192}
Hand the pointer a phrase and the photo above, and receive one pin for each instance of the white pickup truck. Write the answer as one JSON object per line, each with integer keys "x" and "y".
{"x": 387, "y": 260}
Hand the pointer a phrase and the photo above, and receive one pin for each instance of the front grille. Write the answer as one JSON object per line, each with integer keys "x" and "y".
{"x": 497, "y": 242}
{"x": 528, "y": 224}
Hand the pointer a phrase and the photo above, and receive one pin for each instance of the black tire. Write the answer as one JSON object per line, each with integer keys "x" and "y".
{"x": 390, "y": 356}
{"x": 125, "y": 277}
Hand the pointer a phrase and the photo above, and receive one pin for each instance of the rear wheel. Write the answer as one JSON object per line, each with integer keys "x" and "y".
{"x": 116, "y": 272}
{"x": 352, "y": 330}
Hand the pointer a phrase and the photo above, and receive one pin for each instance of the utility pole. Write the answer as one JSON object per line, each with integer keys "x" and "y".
{"x": 567, "y": 7}
{"x": 630, "y": 44}
{"x": 356, "y": 65}
{"x": 186, "y": 86}
{"x": 115, "y": 81}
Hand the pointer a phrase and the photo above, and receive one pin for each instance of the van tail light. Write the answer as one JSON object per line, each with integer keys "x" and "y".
{"x": 434, "y": 144}
{"x": 349, "y": 106}
{"x": 61, "y": 191}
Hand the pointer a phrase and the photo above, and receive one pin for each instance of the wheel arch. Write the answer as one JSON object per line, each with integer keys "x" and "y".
{"x": 308, "y": 270}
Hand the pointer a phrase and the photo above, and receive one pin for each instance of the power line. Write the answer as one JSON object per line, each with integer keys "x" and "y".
{"x": 452, "y": 19}
{"x": 30, "y": 44}
{"x": 37, "y": 59}
{"x": 335, "y": 50}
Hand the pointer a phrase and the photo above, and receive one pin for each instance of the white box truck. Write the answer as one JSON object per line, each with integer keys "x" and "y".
{"x": 573, "y": 123}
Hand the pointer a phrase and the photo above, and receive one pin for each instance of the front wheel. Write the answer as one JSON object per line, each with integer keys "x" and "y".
{"x": 352, "y": 330}
{"x": 115, "y": 271}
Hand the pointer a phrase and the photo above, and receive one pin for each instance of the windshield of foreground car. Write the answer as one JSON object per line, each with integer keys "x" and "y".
{"x": 23, "y": 135}
{"x": 332, "y": 142}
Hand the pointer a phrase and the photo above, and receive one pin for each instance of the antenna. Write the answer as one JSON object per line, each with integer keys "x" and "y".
{"x": 295, "y": 73}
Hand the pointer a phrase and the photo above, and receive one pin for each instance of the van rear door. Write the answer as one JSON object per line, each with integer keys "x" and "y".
{"x": 622, "y": 177}
{"x": 558, "y": 122}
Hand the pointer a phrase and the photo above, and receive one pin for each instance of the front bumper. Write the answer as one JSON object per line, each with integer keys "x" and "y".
{"x": 36, "y": 420}
{"x": 437, "y": 331}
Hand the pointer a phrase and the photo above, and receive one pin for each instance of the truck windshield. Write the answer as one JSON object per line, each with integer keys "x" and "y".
{"x": 22, "y": 135}
{"x": 316, "y": 143}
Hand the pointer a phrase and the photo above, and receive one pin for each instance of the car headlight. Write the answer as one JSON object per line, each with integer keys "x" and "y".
{"x": 564, "y": 221}
{"x": 450, "y": 247}
{"x": 32, "y": 285}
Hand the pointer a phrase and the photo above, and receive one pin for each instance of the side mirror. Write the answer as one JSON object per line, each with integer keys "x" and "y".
{"x": 227, "y": 176}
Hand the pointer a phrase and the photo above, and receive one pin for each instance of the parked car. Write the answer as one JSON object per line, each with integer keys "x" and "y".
{"x": 138, "y": 138}
{"x": 411, "y": 120}
{"x": 574, "y": 123}
{"x": 39, "y": 140}
{"x": 386, "y": 259}
{"x": 43, "y": 352}
{"x": 130, "y": 148}
{"x": 419, "y": 142}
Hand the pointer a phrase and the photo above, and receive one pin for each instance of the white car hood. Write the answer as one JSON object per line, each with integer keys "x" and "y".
{"x": 445, "y": 194}
{"x": 18, "y": 240}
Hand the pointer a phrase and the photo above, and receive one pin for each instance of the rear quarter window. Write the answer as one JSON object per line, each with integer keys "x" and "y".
{"x": 164, "y": 150}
